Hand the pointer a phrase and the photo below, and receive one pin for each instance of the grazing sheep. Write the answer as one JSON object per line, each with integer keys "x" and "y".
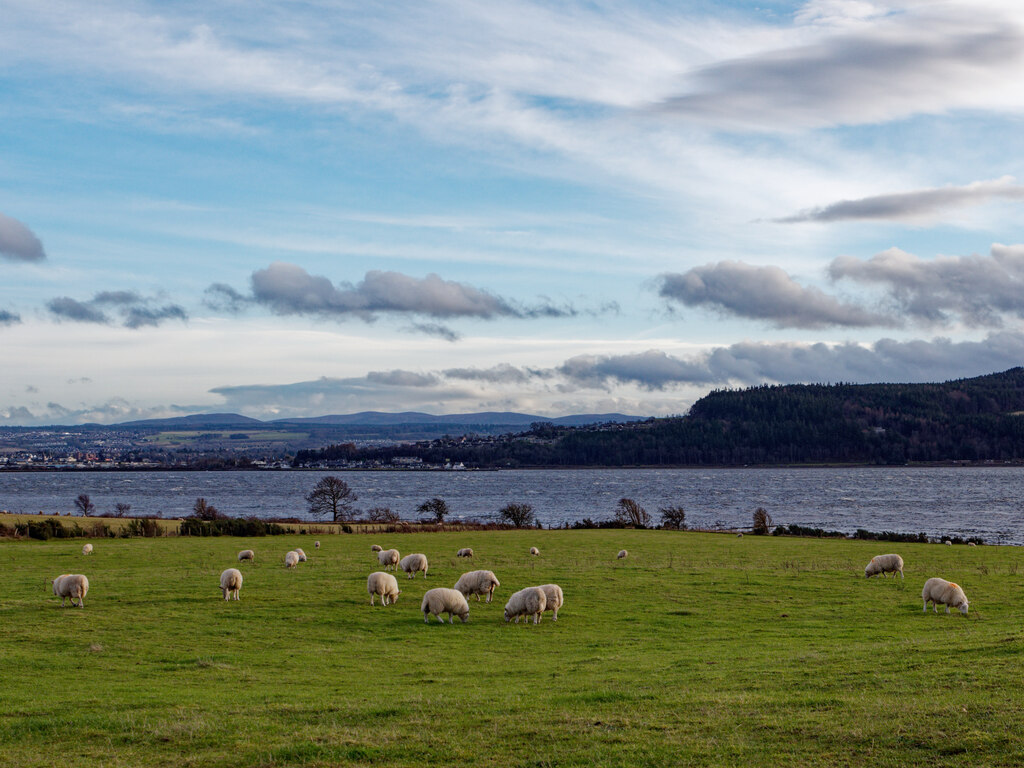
{"x": 385, "y": 585}
{"x": 465, "y": 552}
{"x": 301, "y": 554}
{"x": 291, "y": 559}
{"x": 555, "y": 598}
{"x": 946, "y": 592}
{"x": 622, "y": 553}
{"x": 739, "y": 535}
{"x": 247, "y": 554}
{"x": 444, "y": 600}
{"x": 87, "y": 549}
{"x": 884, "y": 564}
{"x": 316, "y": 544}
{"x": 971, "y": 544}
{"x": 71, "y": 585}
{"x": 388, "y": 558}
{"x": 948, "y": 543}
{"x": 478, "y": 583}
{"x": 534, "y": 551}
{"x": 526, "y": 602}
{"x": 412, "y": 563}
{"x": 376, "y": 548}
{"x": 231, "y": 582}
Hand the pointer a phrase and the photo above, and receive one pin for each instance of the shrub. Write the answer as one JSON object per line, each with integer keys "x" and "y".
{"x": 382, "y": 515}
{"x": 673, "y": 518}
{"x": 143, "y": 526}
{"x": 628, "y": 512}
{"x": 436, "y": 507}
{"x": 232, "y": 526}
{"x": 519, "y": 515}
{"x": 762, "y": 522}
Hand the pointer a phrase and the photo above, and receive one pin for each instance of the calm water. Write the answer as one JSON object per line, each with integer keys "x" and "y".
{"x": 986, "y": 502}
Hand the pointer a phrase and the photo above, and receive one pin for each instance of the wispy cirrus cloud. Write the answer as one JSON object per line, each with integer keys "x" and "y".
{"x": 917, "y": 205}
{"x": 765, "y": 293}
{"x": 18, "y": 242}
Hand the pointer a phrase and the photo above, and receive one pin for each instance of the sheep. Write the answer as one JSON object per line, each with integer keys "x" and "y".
{"x": 946, "y": 592}
{"x": 534, "y": 551}
{"x": 71, "y": 585}
{"x": 739, "y": 535}
{"x": 884, "y": 564}
{"x": 301, "y": 554}
{"x": 622, "y": 553}
{"x": 948, "y": 543}
{"x": 555, "y": 598}
{"x": 291, "y": 559}
{"x": 247, "y": 554}
{"x": 87, "y": 549}
{"x": 385, "y": 585}
{"x": 412, "y": 563}
{"x": 316, "y": 544}
{"x": 971, "y": 544}
{"x": 478, "y": 583}
{"x": 443, "y": 600}
{"x": 388, "y": 558}
{"x": 231, "y": 582}
{"x": 376, "y": 548}
{"x": 464, "y": 552}
{"x": 526, "y": 602}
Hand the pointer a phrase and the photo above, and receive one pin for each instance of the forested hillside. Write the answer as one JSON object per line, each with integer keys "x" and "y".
{"x": 980, "y": 419}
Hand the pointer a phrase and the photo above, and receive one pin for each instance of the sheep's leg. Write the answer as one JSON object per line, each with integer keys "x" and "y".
{"x": 555, "y": 617}
{"x": 371, "y": 599}
{"x": 926, "y": 606}
{"x": 426, "y": 619}
{"x": 947, "y": 609}
{"x": 440, "y": 618}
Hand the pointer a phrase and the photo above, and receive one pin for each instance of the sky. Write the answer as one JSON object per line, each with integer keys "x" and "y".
{"x": 287, "y": 209}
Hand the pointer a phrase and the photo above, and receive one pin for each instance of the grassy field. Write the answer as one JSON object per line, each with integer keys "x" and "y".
{"x": 699, "y": 649}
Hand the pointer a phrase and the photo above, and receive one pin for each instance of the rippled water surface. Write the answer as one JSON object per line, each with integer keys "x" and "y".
{"x": 986, "y": 502}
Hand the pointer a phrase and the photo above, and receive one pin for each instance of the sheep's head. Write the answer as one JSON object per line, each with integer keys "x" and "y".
{"x": 464, "y": 617}
{"x": 508, "y": 615}
{"x": 963, "y": 607}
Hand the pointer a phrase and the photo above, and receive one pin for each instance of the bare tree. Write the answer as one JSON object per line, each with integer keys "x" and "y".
{"x": 631, "y": 513}
{"x": 435, "y": 507}
{"x": 331, "y": 496}
{"x": 204, "y": 511}
{"x": 121, "y": 509}
{"x": 519, "y": 515}
{"x": 762, "y": 521}
{"x": 84, "y": 504}
{"x": 673, "y": 518}
{"x": 382, "y": 515}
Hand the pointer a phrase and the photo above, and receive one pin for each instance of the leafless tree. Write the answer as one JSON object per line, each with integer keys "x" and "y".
{"x": 382, "y": 515}
{"x": 121, "y": 509}
{"x": 762, "y": 521}
{"x": 435, "y": 507}
{"x": 673, "y": 518}
{"x": 205, "y": 511}
{"x": 331, "y": 496}
{"x": 519, "y": 515}
{"x": 84, "y": 504}
{"x": 631, "y": 513}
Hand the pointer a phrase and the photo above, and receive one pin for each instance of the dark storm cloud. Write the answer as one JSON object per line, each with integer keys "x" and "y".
{"x": 18, "y": 242}
{"x": 764, "y": 293}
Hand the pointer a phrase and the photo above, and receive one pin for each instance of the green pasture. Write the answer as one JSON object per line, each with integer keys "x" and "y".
{"x": 698, "y": 649}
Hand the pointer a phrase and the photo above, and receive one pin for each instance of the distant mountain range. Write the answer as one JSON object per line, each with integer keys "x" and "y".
{"x": 376, "y": 418}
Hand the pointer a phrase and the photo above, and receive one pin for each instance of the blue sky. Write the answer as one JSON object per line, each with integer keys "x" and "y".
{"x": 291, "y": 209}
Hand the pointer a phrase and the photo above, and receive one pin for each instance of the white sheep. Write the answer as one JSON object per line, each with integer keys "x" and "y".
{"x": 291, "y": 559}
{"x": 526, "y": 602}
{"x": 247, "y": 554}
{"x": 316, "y": 544}
{"x": 464, "y": 552}
{"x": 443, "y": 600}
{"x": 301, "y": 554}
{"x": 478, "y": 583}
{"x": 534, "y": 551}
{"x": 415, "y": 562}
{"x": 376, "y": 548}
{"x": 948, "y": 543}
{"x": 231, "y": 582}
{"x": 622, "y": 553}
{"x": 555, "y": 598}
{"x": 71, "y": 585}
{"x": 946, "y": 592}
{"x": 971, "y": 544}
{"x": 385, "y": 585}
{"x": 388, "y": 558}
{"x": 884, "y": 564}
{"x": 87, "y": 549}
